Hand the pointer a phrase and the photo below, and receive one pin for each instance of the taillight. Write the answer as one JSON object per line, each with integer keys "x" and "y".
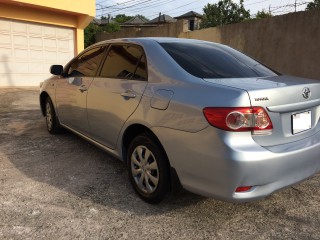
{"x": 239, "y": 119}
{"x": 243, "y": 189}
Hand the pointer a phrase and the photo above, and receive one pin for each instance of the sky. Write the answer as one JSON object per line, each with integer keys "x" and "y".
{"x": 174, "y": 8}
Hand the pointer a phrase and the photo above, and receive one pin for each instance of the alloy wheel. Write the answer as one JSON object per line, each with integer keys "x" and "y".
{"x": 144, "y": 169}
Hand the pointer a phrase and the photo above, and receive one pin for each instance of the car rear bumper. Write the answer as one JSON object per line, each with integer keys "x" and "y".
{"x": 214, "y": 163}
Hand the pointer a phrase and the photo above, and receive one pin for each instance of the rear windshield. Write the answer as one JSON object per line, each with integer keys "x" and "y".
{"x": 206, "y": 60}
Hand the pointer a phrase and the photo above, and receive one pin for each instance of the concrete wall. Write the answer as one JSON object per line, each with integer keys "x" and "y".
{"x": 289, "y": 43}
{"x": 164, "y": 30}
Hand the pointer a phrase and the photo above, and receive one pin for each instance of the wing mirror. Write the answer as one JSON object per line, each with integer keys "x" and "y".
{"x": 56, "y": 70}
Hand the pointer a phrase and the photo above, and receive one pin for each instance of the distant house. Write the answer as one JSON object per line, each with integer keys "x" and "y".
{"x": 194, "y": 19}
{"x": 163, "y": 18}
{"x": 102, "y": 22}
{"x": 137, "y": 22}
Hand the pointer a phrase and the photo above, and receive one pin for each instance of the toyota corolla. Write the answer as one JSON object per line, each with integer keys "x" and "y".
{"x": 189, "y": 112}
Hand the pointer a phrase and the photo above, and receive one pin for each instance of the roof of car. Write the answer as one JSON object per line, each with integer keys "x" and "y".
{"x": 156, "y": 39}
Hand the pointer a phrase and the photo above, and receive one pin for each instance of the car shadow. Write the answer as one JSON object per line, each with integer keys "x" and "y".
{"x": 71, "y": 164}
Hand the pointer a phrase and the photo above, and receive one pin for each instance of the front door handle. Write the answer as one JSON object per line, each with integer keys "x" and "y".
{"x": 128, "y": 94}
{"x": 83, "y": 88}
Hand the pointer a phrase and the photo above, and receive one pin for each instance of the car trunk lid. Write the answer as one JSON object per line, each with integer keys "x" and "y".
{"x": 293, "y": 105}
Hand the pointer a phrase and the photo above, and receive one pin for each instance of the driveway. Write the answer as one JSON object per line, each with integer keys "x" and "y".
{"x": 61, "y": 187}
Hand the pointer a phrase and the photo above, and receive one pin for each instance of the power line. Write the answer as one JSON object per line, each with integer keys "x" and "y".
{"x": 136, "y": 4}
{"x": 181, "y": 6}
{"x": 123, "y": 3}
{"x": 153, "y": 5}
{"x": 139, "y": 6}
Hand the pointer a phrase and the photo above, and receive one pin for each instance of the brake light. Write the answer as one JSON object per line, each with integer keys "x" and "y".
{"x": 239, "y": 119}
{"x": 243, "y": 188}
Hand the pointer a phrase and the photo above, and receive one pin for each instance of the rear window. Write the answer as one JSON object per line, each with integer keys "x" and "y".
{"x": 206, "y": 60}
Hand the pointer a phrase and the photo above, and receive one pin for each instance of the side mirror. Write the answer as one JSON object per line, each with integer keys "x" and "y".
{"x": 56, "y": 70}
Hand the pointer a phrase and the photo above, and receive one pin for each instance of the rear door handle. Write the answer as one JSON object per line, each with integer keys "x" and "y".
{"x": 128, "y": 94}
{"x": 83, "y": 88}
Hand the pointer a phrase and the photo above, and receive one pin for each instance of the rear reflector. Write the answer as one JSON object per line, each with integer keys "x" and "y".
{"x": 239, "y": 119}
{"x": 243, "y": 189}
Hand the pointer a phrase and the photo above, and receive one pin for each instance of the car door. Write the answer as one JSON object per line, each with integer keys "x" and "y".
{"x": 71, "y": 90}
{"x": 115, "y": 94}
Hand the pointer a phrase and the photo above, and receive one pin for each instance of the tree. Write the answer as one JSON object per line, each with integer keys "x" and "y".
{"x": 89, "y": 33}
{"x": 224, "y": 12}
{"x": 92, "y": 29}
{"x": 262, "y": 14}
{"x": 121, "y": 18}
{"x": 313, "y": 5}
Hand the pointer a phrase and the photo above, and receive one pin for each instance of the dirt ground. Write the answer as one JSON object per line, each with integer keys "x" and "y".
{"x": 61, "y": 187}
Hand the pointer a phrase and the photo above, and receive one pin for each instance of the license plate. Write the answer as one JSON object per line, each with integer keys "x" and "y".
{"x": 301, "y": 122}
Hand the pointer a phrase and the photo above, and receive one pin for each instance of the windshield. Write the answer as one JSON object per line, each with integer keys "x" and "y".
{"x": 208, "y": 60}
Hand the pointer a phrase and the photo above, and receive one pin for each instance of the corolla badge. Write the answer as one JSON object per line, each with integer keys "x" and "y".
{"x": 306, "y": 93}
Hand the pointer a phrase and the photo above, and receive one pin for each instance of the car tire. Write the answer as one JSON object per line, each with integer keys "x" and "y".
{"x": 148, "y": 168}
{"x": 52, "y": 121}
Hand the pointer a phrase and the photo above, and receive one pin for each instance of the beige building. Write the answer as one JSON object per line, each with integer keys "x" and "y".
{"x": 193, "y": 18}
{"x": 34, "y": 34}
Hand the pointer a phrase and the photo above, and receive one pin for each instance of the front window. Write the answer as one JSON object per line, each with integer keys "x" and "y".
{"x": 125, "y": 62}
{"x": 87, "y": 64}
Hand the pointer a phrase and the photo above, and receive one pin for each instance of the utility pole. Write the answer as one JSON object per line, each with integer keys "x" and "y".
{"x": 270, "y": 9}
{"x": 295, "y": 6}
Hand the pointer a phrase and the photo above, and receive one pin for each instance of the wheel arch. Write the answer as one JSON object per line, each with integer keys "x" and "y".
{"x": 136, "y": 129}
{"x": 133, "y": 131}
{"x": 43, "y": 97}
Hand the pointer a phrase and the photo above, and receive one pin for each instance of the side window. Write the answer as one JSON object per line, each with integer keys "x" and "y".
{"x": 125, "y": 62}
{"x": 87, "y": 64}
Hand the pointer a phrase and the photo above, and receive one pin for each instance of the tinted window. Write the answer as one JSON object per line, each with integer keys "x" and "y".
{"x": 126, "y": 62}
{"x": 87, "y": 64}
{"x": 205, "y": 60}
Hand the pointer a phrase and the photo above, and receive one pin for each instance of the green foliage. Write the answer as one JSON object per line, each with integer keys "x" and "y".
{"x": 89, "y": 33}
{"x": 224, "y": 12}
{"x": 313, "y": 5}
{"x": 91, "y": 30}
{"x": 121, "y": 18}
{"x": 111, "y": 27}
{"x": 262, "y": 14}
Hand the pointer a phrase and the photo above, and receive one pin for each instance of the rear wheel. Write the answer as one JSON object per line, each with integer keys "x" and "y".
{"x": 148, "y": 169}
{"x": 52, "y": 122}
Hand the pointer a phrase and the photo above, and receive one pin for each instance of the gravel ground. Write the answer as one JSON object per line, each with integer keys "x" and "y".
{"x": 61, "y": 187}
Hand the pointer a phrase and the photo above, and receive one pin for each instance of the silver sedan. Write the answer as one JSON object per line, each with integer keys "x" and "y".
{"x": 192, "y": 113}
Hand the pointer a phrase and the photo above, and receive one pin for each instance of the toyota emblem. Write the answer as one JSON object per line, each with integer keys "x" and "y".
{"x": 306, "y": 93}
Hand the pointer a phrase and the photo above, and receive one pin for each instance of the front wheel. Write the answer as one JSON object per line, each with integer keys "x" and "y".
{"x": 148, "y": 169}
{"x": 52, "y": 122}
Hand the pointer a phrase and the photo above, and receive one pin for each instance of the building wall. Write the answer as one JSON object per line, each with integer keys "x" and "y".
{"x": 65, "y": 13}
{"x": 35, "y": 34}
{"x": 289, "y": 43}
